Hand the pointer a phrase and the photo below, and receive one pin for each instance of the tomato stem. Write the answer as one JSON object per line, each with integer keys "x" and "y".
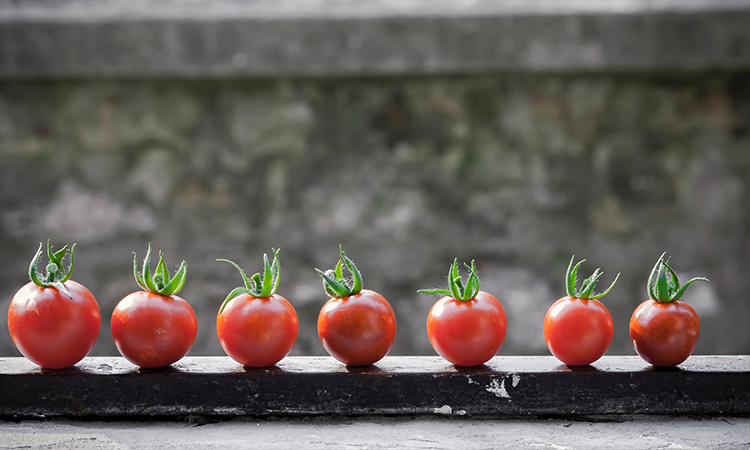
{"x": 663, "y": 284}
{"x": 257, "y": 286}
{"x": 55, "y": 275}
{"x": 160, "y": 282}
{"x": 334, "y": 282}
{"x": 587, "y": 286}
{"x": 456, "y": 288}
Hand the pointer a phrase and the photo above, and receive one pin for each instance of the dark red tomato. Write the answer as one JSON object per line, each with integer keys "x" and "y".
{"x": 152, "y": 330}
{"x": 357, "y": 330}
{"x": 663, "y": 330}
{"x": 52, "y": 329}
{"x": 467, "y": 333}
{"x": 578, "y": 331}
{"x": 664, "y": 334}
{"x": 257, "y": 332}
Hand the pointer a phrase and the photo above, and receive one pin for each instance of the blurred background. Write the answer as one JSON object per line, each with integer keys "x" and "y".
{"x": 515, "y": 134}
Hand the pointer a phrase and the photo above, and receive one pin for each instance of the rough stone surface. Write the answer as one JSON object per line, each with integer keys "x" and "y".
{"x": 511, "y": 386}
{"x": 382, "y": 433}
{"x": 515, "y": 171}
{"x": 228, "y": 38}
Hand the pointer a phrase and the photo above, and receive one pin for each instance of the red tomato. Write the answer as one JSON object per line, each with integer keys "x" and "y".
{"x": 52, "y": 329}
{"x": 152, "y": 330}
{"x": 467, "y": 333}
{"x": 578, "y": 331}
{"x": 154, "y": 327}
{"x": 466, "y": 326}
{"x": 257, "y": 332}
{"x": 578, "y": 328}
{"x": 357, "y": 330}
{"x": 664, "y": 334}
{"x": 663, "y": 330}
{"x": 256, "y": 326}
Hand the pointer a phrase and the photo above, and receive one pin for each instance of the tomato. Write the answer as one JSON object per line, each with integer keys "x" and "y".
{"x": 663, "y": 330}
{"x": 664, "y": 334}
{"x": 359, "y": 329}
{"x": 54, "y": 321}
{"x": 256, "y": 326}
{"x": 51, "y": 329}
{"x": 467, "y": 333}
{"x": 152, "y": 330}
{"x": 257, "y": 332}
{"x": 467, "y": 326}
{"x": 154, "y": 327}
{"x": 356, "y": 326}
{"x": 578, "y": 329}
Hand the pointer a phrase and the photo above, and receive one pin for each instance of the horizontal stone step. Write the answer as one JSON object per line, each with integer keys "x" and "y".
{"x": 270, "y": 38}
{"x": 506, "y": 386}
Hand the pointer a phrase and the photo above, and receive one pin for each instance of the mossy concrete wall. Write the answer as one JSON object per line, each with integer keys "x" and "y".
{"x": 517, "y": 171}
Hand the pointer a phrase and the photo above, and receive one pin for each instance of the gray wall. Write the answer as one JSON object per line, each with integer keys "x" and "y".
{"x": 517, "y": 169}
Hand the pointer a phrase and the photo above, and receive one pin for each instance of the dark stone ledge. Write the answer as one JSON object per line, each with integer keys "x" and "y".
{"x": 266, "y": 38}
{"x": 507, "y": 386}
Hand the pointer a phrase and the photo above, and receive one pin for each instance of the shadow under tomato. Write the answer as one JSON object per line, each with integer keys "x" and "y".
{"x": 673, "y": 369}
{"x": 157, "y": 370}
{"x": 577, "y": 369}
{"x": 261, "y": 370}
{"x": 482, "y": 368}
{"x": 371, "y": 369}
{"x": 73, "y": 370}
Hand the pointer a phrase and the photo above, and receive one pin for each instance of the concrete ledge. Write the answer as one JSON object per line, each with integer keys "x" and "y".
{"x": 265, "y": 38}
{"x": 507, "y": 386}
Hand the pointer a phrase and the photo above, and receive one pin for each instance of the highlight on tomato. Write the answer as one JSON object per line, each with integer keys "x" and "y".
{"x": 663, "y": 330}
{"x": 578, "y": 329}
{"x": 53, "y": 321}
{"x": 356, "y": 326}
{"x": 256, "y": 326}
{"x": 154, "y": 327}
{"x": 466, "y": 326}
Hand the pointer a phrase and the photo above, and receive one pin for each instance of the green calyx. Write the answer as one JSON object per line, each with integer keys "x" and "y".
{"x": 663, "y": 284}
{"x": 160, "y": 282}
{"x": 260, "y": 286}
{"x": 334, "y": 282}
{"x": 587, "y": 286}
{"x": 456, "y": 288}
{"x": 55, "y": 275}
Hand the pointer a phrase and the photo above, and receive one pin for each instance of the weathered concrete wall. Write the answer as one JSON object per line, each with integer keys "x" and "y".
{"x": 513, "y": 133}
{"x": 516, "y": 171}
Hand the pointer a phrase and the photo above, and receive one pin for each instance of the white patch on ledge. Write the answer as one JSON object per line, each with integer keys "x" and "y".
{"x": 498, "y": 388}
{"x": 516, "y": 379}
{"x": 468, "y": 378}
{"x": 445, "y": 409}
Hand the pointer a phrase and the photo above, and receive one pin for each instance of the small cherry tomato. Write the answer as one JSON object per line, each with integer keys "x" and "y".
{"x": 356, "y": 326}
{"x": 664, "y": 331}
{"x": 54, "y": 321}
{"x": 256, "y": 326}
{"x": 467, "y": 326}
{"x": 578, "y": 329}
{"x": 154, "y": 327}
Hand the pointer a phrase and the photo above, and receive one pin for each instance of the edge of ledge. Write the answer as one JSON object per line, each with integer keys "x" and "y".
{"x": 506, "y": 387}
{"x": 330, "y": 38}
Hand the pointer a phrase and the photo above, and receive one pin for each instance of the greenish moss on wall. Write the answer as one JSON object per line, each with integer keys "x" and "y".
{"x": 515, "y": 171}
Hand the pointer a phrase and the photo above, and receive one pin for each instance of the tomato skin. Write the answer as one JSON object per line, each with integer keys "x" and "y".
{"x": 357, "y": 330}
{"x": 467, "y": 333}
{"x": 152, "y": 330}
{"x": 664, "y": 334}
{"x": 50, "y": 328}
{"x": 578, "y": 331}
{"x": 257, "y": 332}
